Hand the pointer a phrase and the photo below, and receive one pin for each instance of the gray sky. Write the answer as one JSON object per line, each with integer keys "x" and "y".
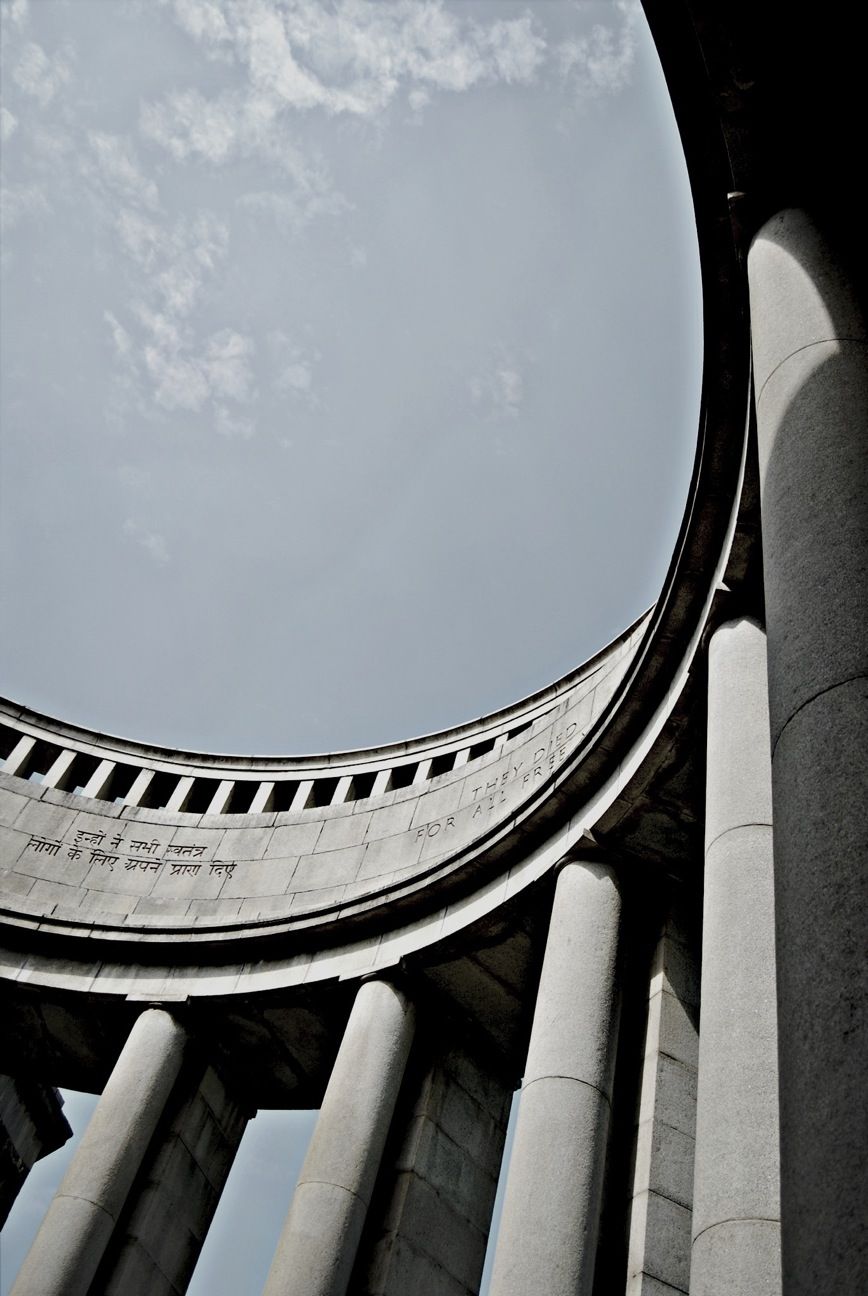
{"x": 350, "y": 381}
{"x": 350, "y": 359}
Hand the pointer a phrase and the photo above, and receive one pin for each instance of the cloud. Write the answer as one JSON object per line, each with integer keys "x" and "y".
{"x": 231, "y": 425}
{"x": 601, "y": 63}
{"x": 8, "y": 124}
{"x": 18, "y": 202}
{"x": 355, "y": 56}
{"x": 498, "y": 391}
{"x": 40, "y": 75}
{"x": 153, "y": 543}
{"x": 15, "y": 12}
{"x": 293, "y": 368}
{"x": 117, "y": 168}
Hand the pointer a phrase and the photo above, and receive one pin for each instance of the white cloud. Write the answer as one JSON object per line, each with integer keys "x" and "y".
{"x": 232, "y": 425}
{"x": 118, "y": 169}
{"x": 15, "y": 12}
{"x": 153, "y": 543}
{"x": 121, "y": 339}
{"x": 226, "y": 363}
{"x": 184, "y": 378}
{"x": 293, "y": 368}
{"x": 355, "y": 56}
{"x": 498, "y": 391}
{"x": 8, "y": 124}
{"x": 39, "y": 75}
{"x": 18, "y": 202}
{"x": 602, "y": 62}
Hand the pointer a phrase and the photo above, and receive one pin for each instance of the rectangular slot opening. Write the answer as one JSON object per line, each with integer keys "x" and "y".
{"x": 9, "y": 739}
{"x": 39, "y": 761}
{"x": 361, "y": 786}
{"x": 322, "y": 792}
{"x": 283, "y": 794}
{"x": 120, "y": 781}
{"x": 241, "y": 796}
{"x": 402, "y": 776}
{"x": 442, "y": 764}
{"x": 158, "y": 791}
{"x": 481, "y": 748}
{"x": 513, "y": 733}
{"x": 201, "y": 795}
{"x": 78, "y": 775}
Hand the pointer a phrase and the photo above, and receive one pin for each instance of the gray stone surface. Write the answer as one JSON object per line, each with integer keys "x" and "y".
{"x": 317, "y": 1248}
{"x": 77, "y": 1228}
{"x": 812, "y": 423}
{"x": 737, "y": 1174}
{"x": 662, "y": 1177}
{"x": 427, "y": 1232}
{"x": 548, "y": 1231}
{"x": 177, "y": 1191}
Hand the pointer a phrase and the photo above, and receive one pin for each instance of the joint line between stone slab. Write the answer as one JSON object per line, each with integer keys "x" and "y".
{"x": 736, "y": 1219}
{"x": 754, "y": 823}
{"x": 96, "y": 1205}
{"x": 328, "y": 1183}
{"x": 807, "y": 347}
{"x": 575, "y": 1080}
{"x": 851, "y": 679}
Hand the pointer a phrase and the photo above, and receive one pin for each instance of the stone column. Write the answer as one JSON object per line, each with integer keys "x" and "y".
{"x": 80, "y": 1220}
{"x": 320, "y": 1238}
{"x": 658, "y": 1251}
{"x": 427, "y": 1228}
{"x": 736, "y": 1195}
{"x": 811, "y": 376}
{"x": 548, "y": 1232}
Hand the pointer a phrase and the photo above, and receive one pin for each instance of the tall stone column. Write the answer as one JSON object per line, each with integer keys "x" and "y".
{"x": 811, "y": 374}
{"x": 736, "y": 1195}
{"x": 80, "y": 1221}
{"x": 548, "y": 1231}
{"x": 320, "y": 1238}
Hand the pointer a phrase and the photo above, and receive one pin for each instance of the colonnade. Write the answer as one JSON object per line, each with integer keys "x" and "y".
{"x": 770, "y": 1200}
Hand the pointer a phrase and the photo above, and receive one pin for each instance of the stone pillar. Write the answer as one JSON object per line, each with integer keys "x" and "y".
{"x": 658, "y": 1256}
{"x": 427, "y": 1228}
{"x": 548, "y": 1232}
{"x": 318, "y": 1245}
{"x": 736, "y": 1195}
{"x": 811, "y": 376}
{"x": 80, "y": 1221}
{"x": 155, "y": 1247}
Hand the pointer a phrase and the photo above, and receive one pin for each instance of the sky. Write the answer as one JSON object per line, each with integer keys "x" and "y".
{"x": 350, "y": 360}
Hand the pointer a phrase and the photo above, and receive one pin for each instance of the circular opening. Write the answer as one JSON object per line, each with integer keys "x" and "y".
{"x": 351, "y": 361}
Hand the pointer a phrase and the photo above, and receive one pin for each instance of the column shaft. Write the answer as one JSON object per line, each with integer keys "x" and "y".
{"x": 736, "y": 1199}
{"x": 319, "y": 1241}
{"x": 548, "y": 1232}
{"x": 80, "y": 1220}
{"x": 811, "y": 373}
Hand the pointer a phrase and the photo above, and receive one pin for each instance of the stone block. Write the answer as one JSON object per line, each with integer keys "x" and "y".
{"x": 739, "y": 1257}
{"x": 292, "y": 840}
{"x": 664, "y": 1162}
{"x": 347, "y": 830}
{"x": 388, "y": 854}
{"x": 660, "y": 1240}
{"x": 668, "y": 1094}
{"x": 672, "y": 1029}
{"x": 332, "y": 868}
{"x": 244, "y": 843}
{"x": 259, "y": 877}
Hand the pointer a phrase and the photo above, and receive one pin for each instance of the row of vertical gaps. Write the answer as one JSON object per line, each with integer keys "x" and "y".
{"x": 52, "y": 765}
